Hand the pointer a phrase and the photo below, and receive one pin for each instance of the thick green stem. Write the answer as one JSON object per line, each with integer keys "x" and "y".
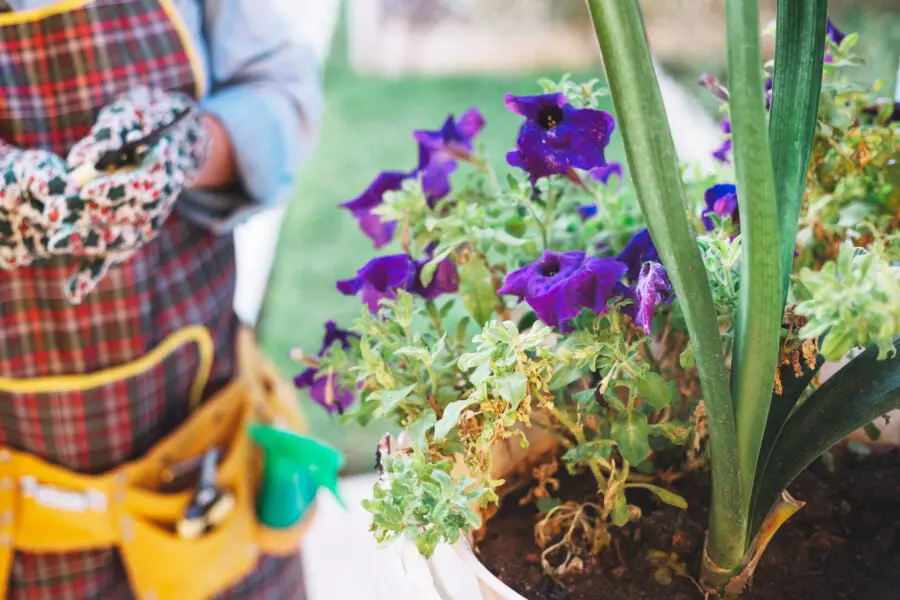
{"x": 657, "y": 179}
{"x": 799, "y": 54}
{"x": 758, "y": 325}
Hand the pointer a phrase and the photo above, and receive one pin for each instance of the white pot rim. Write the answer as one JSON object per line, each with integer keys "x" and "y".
{"x": 463, "y": 549}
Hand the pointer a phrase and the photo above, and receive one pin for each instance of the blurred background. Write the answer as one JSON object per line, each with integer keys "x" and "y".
{"x": 393, "y": 66}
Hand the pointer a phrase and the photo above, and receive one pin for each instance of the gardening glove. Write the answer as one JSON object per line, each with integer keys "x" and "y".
{"x": 114, "y": 214}
{"x": 33, "y": 190}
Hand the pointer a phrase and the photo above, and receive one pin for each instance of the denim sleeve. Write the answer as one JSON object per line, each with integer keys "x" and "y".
{"x": 265, "y": 87}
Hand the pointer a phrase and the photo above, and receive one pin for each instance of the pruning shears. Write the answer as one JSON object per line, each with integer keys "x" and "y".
{"x": 130, "y": 154}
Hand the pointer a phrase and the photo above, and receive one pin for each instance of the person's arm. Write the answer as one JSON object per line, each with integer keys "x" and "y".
{"x": 262, "y": 113}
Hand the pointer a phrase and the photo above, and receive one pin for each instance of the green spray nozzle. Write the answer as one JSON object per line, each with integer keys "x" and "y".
{"x": 294, "y": 468}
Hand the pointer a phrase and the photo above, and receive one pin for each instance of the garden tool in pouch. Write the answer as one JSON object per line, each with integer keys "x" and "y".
{"x": 210, "y": 504}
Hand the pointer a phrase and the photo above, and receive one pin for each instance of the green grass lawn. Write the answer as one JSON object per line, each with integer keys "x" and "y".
{"x": 368, "y": 128}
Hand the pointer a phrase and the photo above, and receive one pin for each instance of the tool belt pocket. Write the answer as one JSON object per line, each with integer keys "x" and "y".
{"x": 136, "y": 508}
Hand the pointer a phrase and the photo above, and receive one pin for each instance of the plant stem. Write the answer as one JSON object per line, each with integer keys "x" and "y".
{"x": 799, "y": 54}
{"x": 657, "y": 179}
{"x": 758, "y": 326}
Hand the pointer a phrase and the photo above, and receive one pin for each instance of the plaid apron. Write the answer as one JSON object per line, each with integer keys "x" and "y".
{"x": 58, "y": 67}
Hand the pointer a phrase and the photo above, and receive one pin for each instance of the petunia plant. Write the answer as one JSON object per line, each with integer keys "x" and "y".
{"x": 631, "y": 311}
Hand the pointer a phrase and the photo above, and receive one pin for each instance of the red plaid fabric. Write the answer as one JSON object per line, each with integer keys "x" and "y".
{"x": 55, "y": 74}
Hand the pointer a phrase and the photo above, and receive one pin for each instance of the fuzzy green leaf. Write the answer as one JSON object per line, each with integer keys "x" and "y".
{"x": 451, "y": 417}
{"x": 670, "y": 498}
{"x": 656, "y": 390}
{"x": 512, "y": 388}
{"x": 476, "y": 287}
{"x": 859, "y": 393}
{"x": 388, "y": 400}
{"x": 631, "y": 431}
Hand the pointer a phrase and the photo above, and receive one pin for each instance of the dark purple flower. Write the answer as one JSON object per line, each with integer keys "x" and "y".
{"x": 877, "y": 107}
{"x": 723, "y": 153}
{"x": 652, "y": 289}
{"x": 335, "y": 334}
{"x": 324, "y": 390}
{"x": 637, "y": 251}
{"x": 721, "y": 200}
{"x": 559, "y": 285}
{"x": 379, "y": 278}
{"x": 557, "y": 137}
{"x": 445, "y": 280}
{"x": 381, "y": 232}
{"x": 835, "y": 34}
{"x": 587, "y": 211}
{"x": 603, "y": 173}
{"x": 770, "y": 85}
{"x": 439, "y": 150}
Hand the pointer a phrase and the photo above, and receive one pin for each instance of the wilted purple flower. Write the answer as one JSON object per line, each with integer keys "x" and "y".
{"x": 324, "y": 390}
{"x": 557, "y": 137}
{"x": 559, "y": 285}
{"x": 652, "y": 289}
{"x": 333, "y": 334}
{"x": 381, "y": 232}
{"x": 721, "y": 200}
{"x": 877, "y": 107}
{"x": 723, "y": 153}
{"x": 603, "y": 173}
{"x": 439, "y": 150}
{"x": 381, "y": 277}
{"x": 637, "y": 251}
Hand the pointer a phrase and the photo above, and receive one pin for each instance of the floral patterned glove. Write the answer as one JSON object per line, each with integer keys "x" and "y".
{"x": 114, "y": 214}
{"x": 33, "y": 206}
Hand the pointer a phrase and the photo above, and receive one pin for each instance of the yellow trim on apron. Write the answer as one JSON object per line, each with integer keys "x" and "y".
{"x": 197, "y": 66}
{"x": 47, "y": 508}
{"x": 175, "y": 18}
{"x": 36, "y": 14}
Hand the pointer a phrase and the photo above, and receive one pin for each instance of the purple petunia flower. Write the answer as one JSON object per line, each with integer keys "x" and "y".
{"x": 721, "y": 199}
{"x": 324, "y": 390}
{"x": 587, "y": 211}
{"x": 381, "y": 232}
{"x": 559, "y": 285}
{"x": 557, "y": 137}
{"x": 381, "y": 277}
{"x": 603, "y": 173}
{"x": 637, "y": 251}
{"x": 652, "y": 289}
{"x": 439, "y": 150}
{"x": 835, "y": 34}
{"x": 723, "y": 152}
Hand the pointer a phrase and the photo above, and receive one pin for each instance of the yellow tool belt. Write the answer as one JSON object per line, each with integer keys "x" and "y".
{"x": 46, "y": 508}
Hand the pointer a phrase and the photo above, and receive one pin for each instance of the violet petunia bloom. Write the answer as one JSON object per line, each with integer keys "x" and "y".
{"x": 723, "y": 152}
{"x": 439, "y": 150}
{"x": 556, "y": 137}
{"x": 587, "y": 211}
{"x": 379, "y": 278}
{"x": 639, "y": 249}
{"x": 603, "y": 173}
{"x": 721, "y": 200}
{"x": 834, "y": 34}
{"x": 324, "y": 390}
{"x": 559, "y": 285}
{"x": 379, "y": 231}
{"x": 652, "y": 289}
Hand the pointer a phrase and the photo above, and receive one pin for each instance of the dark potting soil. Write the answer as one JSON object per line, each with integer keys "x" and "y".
{"x": 843, "y": 545}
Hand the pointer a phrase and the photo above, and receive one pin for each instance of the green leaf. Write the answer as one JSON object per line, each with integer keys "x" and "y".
{"x": 865, "y": 389}
{"x": 547, "y": 503}
{"x": 418, "y": 429}
{"x": 589, "y": 451}
{"x": 585, "y": 396}
{"x": 451, "y": 417}
{"x": 512, "y": 388}
{"x": 630, "y": 431}
{"x": 656, "y": 390}
{"x": 670, "y": 498}
{"x": 656, "y": 173}
{"x": 477, "y": 289}
{"x": 620, "y": 514}
{"x": 799, "y": 55}
{"x": 759, "y": 314}
{"x": 388, "y": 400}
